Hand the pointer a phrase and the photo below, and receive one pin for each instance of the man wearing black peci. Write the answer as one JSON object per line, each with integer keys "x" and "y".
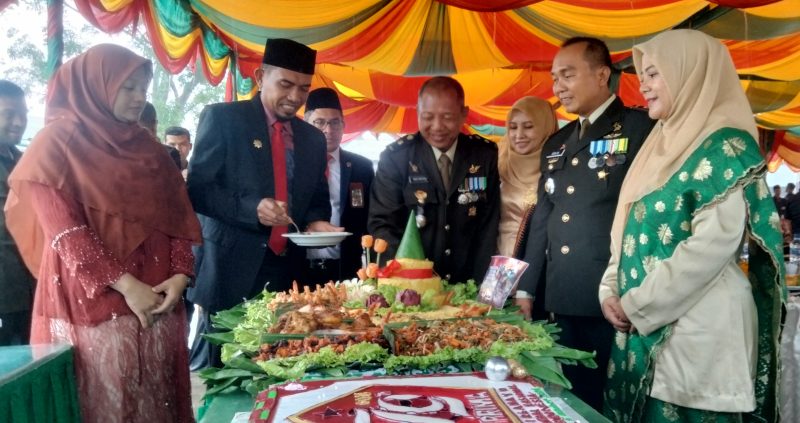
{"x": 256, "y": 167}
{"x": 349, "y": 180}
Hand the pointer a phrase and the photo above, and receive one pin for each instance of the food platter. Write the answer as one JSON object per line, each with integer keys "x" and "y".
{"x": 317, "y": 239}
{"x": 329, "y": 331}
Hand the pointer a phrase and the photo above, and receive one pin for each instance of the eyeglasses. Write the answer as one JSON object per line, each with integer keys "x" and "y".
{"x": 335, "y": 124}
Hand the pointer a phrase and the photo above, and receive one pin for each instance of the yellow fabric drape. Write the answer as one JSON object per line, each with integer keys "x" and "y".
{"x": 778, "y": 119}
{"x": 115, "y": 5}
{"x": 395, "y": 55}
{"x": 473, "y": 47}
{"x": 785, "y": 9}
{"x": 784, "y": 69}
{"x": 485, "y": 85}
{"x": 357, "y": 80}
{"x": 618, "y": 23}
{"x": 175, "y": 46}
{"x": 289, "y": 14}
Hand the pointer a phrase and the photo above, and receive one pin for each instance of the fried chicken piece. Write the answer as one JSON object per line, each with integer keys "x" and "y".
{"x": 328, "y": 319}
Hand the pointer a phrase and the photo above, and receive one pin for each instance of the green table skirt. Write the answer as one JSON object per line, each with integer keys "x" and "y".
{"x": 37, "y": 384}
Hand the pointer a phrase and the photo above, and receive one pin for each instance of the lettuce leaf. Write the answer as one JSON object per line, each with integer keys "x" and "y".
{"x": 462, "y": 292}
{"x": 256, "y": 320}
{"x": 296, "y": 367}
{"x": 389, "y": 292}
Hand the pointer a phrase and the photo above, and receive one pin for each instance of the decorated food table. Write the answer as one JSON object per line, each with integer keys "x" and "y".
{"x": 37, "y": 384}
{"x": 397, "y": 344}
{"x": 263, "y": 350}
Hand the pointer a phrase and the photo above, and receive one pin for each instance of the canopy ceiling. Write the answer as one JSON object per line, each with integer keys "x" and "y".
{"x": 376, "y": 53}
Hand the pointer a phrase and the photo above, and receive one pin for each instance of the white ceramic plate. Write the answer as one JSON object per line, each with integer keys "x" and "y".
{"x": 317, "y": 239}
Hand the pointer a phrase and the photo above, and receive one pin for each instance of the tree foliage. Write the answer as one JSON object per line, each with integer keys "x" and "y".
{"x": 178, "y": 99}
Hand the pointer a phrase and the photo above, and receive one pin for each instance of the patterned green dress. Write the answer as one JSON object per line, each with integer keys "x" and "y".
{"x": 728, "y": 159}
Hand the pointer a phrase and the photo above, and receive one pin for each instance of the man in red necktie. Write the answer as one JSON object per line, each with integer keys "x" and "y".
{"x": 242, "y": 185}
{"x": 349, "y": 180}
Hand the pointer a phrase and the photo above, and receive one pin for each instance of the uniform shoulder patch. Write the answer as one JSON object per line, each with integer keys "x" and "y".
{"x": 476, "y": 137}
{"x": 401, "y": 142}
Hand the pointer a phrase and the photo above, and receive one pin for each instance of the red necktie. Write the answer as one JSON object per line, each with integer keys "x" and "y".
{"x": 277, "y": 243}
{"x": 328, "y": 167}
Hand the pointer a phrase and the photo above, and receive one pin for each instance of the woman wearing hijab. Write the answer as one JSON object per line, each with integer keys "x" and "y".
{"x": 530, "y": 122}
{"x": 104, "y": 221}
{"x": 695, "y": 340}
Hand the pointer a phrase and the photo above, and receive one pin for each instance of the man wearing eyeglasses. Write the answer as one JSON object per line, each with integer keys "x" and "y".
{"x": 349, "y": 180}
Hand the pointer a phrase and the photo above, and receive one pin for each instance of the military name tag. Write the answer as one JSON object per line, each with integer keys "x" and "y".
{"x": 418, "y": 179}
{"x": 556, "y": 154}
{"x": 357, "y": 195}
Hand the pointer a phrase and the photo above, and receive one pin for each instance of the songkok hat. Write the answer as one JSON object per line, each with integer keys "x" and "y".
{"x": 289, "y": 54}
{"x": 323, "y": 98}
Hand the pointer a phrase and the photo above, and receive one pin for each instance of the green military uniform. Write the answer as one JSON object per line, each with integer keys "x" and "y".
{"x": 459, "y": 233}
{"x": 568, "y": 244}
{"x": 16, "y": 283}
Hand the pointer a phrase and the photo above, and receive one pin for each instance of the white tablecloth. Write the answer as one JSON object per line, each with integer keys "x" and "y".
{"x": 790, "y": 366}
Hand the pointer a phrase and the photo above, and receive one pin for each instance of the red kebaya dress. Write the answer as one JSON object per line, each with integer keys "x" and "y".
{"x": 125, "y": 373}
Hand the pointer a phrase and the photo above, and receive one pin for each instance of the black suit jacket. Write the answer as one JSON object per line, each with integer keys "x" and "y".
{"x": 355, "y": 183}
{"x": 230, "y": 172}
{"x": 459, "y": 238}
{"x": 569, "y": 239}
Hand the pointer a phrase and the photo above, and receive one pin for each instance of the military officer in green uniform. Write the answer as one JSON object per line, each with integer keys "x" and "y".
{"x": 448, "y": 178}
{"x": 583, "y": 166}
{"x": 16, "y": 282}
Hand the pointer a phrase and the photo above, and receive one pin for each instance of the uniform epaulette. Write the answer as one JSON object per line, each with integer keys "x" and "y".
{"x": 477, "y": 137}
{"x": 401, "y": 142}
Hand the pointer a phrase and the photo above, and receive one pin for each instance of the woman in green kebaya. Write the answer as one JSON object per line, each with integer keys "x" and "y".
{"x": 696, "y": 340}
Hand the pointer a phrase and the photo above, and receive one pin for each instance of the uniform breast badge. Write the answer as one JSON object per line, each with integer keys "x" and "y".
{"x": 257, "y": 144}
{"x": 473, "y": 169}
{"x": 356, "y": 195}
{"x": 471, "y": 189}
{"x": 421, "y": 197}
{"x": 607, "y": 152}
{"x": 550, "y": 186}
{"x": 472, "y": 212}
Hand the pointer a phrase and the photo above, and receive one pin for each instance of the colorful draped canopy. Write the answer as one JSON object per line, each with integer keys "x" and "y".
{"x": 376, "y": 53}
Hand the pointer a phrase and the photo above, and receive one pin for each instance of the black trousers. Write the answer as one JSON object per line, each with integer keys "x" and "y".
{"x": 321, "y": 271}
{"x": 587, "y": 334}
{"x": 274, "y": 274}
{"x": 204, "y": 354}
